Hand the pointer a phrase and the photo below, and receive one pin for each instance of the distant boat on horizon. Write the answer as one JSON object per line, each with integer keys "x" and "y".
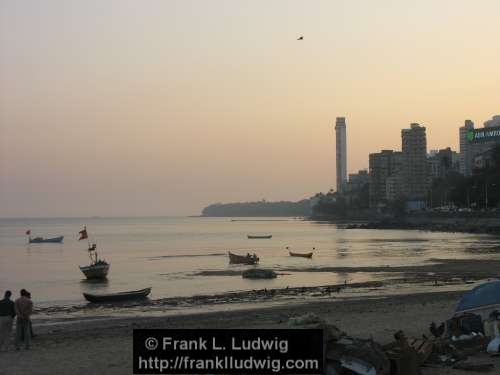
{"x": 46, "y": 240}
{"x": 302, "y": 255}
{"x": 267, "y": 236}
{"x": 39, "y": 239}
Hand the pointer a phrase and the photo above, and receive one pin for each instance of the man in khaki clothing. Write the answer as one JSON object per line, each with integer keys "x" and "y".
{"x": 24, "y": 308}
{"x": 7, "y": 314}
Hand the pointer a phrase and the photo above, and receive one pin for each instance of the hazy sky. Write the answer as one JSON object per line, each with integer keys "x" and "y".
{"x": 162, "y": 107}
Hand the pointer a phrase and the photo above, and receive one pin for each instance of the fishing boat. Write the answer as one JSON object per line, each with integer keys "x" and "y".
{"x": 243, "y": 259}
{"x": 267, "y": 236}
{"x": 303, "y": 255}
{"x": 117, "y": 297}
{"x": 98, "y": 268}
{"x": 43, "y": 240}
{"x": 46, "y": 240}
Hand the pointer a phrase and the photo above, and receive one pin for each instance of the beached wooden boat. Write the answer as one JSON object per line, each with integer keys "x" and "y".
{"x": 303, "y": 255}
{"x": 117, "y": 297}
{"x": 46, "y": 240}
{"x": 267, "y": 236}
{"x": 243, "y": 259}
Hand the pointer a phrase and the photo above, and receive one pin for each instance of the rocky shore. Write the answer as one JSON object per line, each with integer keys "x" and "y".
{"x": 435, "y": 224}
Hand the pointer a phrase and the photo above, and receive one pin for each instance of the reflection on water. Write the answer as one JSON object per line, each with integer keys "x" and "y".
{"x": 342, "y": 248}
{"x": 167, "y": 254}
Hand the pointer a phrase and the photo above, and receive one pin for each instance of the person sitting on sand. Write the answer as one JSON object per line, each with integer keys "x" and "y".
{"x": 7, "y": 314}
{"x": 24, "y": 309}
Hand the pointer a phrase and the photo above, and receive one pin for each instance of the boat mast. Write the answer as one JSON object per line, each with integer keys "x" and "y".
{"x": 92, "y": 251}
{"x": 91, "y": 247}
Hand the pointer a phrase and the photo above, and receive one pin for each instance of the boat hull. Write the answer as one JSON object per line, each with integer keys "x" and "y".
{"x": 95, "y": 271}
{"x": 47, "y": 240}
{"x": 240, "y": 259}
{"x": 306, "y": 255}
{"x": 117, "y": 297}
{"x": 259, "y": 237}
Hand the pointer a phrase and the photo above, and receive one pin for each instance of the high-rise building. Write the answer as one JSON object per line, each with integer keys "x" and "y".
{"x": 493, "y": 123}
{"x": 354, "y": 190}
{"x": 465, "y": 151}
{"x": 341, "y": 152}
{"x": 385, "y": 176}
{"x": 476, "y": 144}
{"x": 415, "y": 169}
{"x": 358, "y": 180}
{"x": 443, "y": 162}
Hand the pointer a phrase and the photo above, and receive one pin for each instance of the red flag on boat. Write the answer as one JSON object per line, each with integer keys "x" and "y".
{"x": 83, "y": 234}
{"x": 28, "y": 232}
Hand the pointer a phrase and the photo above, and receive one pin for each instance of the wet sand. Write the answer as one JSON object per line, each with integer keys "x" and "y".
{"x": 437, "y": 275}
{"x": 443, "y": 268}
{"x": 104, "y": 346}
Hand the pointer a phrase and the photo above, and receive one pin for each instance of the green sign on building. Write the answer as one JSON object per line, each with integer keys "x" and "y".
{"x": 484, "y": 135}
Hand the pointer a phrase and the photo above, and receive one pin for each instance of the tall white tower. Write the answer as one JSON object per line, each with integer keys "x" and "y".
{"x": 341, "y": 155}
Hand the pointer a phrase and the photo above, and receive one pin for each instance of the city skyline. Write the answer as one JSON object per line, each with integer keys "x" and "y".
{"x": 115, "y": 109}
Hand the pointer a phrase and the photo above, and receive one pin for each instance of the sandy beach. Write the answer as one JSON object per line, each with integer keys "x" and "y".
{"x": 103, "y": 345}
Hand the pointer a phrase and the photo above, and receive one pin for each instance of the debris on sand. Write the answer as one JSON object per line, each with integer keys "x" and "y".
{"x": 259, "y": 273}
{"x": 342, "y": 352}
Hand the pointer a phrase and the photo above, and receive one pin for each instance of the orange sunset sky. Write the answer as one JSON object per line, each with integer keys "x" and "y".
{"x": 162, "y": 107}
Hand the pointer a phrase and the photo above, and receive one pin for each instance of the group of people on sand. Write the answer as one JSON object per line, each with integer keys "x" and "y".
{"x": 21, "y": 309}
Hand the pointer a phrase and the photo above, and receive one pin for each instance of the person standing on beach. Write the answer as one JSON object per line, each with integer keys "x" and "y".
{"x": 24, "y": 309}
{"x": 31, "y": 323}
{"x": 7, "y": 314}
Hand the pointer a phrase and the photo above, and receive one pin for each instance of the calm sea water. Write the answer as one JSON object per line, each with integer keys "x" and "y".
{"x": 167, "y": 253}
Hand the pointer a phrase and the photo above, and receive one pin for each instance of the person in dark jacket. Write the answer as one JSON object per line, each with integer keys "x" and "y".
{"x": 7, "y": 314}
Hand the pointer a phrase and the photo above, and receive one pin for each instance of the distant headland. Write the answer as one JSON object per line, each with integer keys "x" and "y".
{"x": 261, "y": 208}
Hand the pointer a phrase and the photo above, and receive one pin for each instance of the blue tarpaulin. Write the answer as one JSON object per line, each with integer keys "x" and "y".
{"x": 481, "y": 296}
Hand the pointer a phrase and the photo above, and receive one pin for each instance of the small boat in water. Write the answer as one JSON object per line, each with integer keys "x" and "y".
{"x": 243, "y": 259}
{"x": 303, "y": 255}
{"x": 267, "y": 236}
{"x": 98, "y": 268}
{"x": 43, "y": 240}
{"x": 117, "y": 297}
{"x": 46, "y": 240}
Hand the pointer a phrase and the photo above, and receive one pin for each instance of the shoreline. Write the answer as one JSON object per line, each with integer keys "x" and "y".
{"x": 473, "y": 224}
{"x": 453, "y": 273}
{"x": 89, "y": 346}
{"x": 430, "y": 227}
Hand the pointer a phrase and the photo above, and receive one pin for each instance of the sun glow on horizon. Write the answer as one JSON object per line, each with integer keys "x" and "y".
{"x": 160, "y": 108}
